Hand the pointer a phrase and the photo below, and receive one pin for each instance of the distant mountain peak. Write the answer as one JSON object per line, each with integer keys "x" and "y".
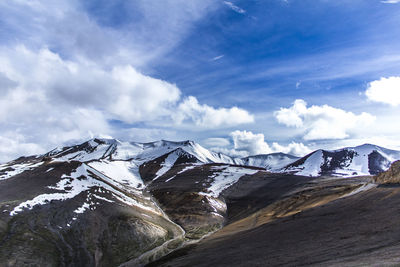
{"x": 366, "y": 159}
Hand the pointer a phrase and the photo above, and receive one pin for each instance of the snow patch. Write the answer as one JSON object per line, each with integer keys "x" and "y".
{"x": 216, "y": 204}
{"x": 187, "y": 168}
{"x": 227, "y": 177}
{"x": 364, "y": 187}
{"x": 82, "y": 208}
{"x": 75, "y": 183}
{"x": 124, "y": 172}
{"x": 168, "y": 164}
{"x": 182, "y": 171}
{"x": 16, "y": 169}
{"x": 169, "y": 179}
{"x": 312, "y": 165}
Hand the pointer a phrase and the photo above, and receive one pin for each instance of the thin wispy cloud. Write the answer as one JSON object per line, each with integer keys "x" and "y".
{"x": 217, "y": 58}
{"x": 391, "y": 1}
{"x": 235, "y": 7}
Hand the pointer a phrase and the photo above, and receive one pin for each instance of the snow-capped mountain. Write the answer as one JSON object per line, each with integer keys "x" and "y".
{"x": 271, "y": 162}
{"x": 127, "y": 159}
{"x": 97, "y": 149}
{"x": 114, "y": 195}
{"x": 107, "y": 202}
{"x": 366, "y": 159}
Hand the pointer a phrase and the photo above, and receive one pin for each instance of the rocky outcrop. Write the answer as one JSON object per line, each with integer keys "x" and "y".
{"x": 391, "y": 176}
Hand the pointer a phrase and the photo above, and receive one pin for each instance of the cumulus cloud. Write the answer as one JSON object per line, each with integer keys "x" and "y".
{"x": 322, "y": 122}
{"x": 122, "y": 92}
{"x": 15, "y": 144}
{"x": 293, "y": 148}
{"x": 209, "y": 117}
{"x": 385, "y": 90}
{"x": 50, "y": 100}
{"x": 246, "y": 143}
{"x": 230, "y": 152}
{"x": 252, "y": 143}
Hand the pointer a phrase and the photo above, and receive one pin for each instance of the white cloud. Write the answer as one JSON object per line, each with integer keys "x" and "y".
{"x": 217, "y": 58}
{"x": 209, "y": 117}
{"x": 385, "y": 90}
{"x": 69, "y": 71}
{"x": 146, "y": 29}
{"x": 14, "y": 144}
{"x": 44, "y": 79}
{"x": 252, "y": 143}
{"x": 49, "y": 100}
{"x": 247, "y": 143}
{"x": 216, "y": 142}
{"x": 390, "y": 1}
{"x": 235, "y": 7}
{"x": 230, "y": 152}
{"x": 297, "y": 149}
{"x": 322, "y": 122}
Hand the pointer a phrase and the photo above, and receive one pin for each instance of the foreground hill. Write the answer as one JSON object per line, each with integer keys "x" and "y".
{"x": 358, "y": 228}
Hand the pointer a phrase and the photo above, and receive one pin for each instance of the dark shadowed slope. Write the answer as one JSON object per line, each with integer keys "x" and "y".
{"x": 356, "y": 229}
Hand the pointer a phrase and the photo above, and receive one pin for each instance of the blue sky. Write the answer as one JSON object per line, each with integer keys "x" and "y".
{"x": 240, "y": 77}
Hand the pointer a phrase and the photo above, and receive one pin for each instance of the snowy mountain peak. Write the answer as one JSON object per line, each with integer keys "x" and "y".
{"x": 113, "y": 149}
{"x": 366, "y": 159}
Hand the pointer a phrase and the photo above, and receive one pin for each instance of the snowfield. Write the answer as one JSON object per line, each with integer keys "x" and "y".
{"x": 227, "y": 177}
{"x": 77, "y": 182}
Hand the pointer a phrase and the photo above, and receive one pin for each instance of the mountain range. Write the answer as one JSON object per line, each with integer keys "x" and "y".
{"x": 108, "y": 203}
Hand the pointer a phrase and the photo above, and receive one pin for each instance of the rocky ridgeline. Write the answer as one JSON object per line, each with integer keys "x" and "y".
{"x": 391, "y": 176}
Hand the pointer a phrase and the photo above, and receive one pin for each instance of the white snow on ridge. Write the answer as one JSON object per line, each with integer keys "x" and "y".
{"x": 140, "y": 152}
{"x": 124, "y": 172}
{"x": 359, "y": 164}
{"x": 312, "y": 165}
{"x": 99, "y": 152}
{"x": 17, "y": 169}
{"x": 71, "y": 186}
{"x": 182, "y": 171}
{"x": 227, "y": 177}
{"x": 187, "y": 168}
{"x": 76, "y": 186}
{"x": 355, "y": 165}
{"x": 167, "y": 164}
{"x": 82, "y": 208}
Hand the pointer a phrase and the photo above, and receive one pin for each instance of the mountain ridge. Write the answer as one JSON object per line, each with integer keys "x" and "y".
{"x": 108, "y": 202}
{"x": 366, "y": 159}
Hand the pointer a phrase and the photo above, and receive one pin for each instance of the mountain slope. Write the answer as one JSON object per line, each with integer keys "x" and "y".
{"x": 107, "y": 203}
{"x": 66, "y": 213}
{"x": 355, "y": 229}
{"x": 391, "y": 176}
{"x": 352, "y": 161}
{"x": 271, "y": 162}
{"x": 97, "y": 203}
